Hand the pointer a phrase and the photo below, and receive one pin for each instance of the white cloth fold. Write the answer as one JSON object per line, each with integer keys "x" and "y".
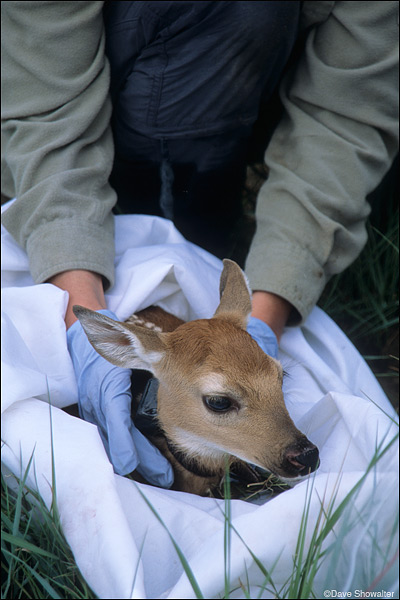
{"x": 120, "y": 546}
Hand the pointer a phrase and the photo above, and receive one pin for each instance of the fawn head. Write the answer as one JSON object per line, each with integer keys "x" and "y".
{"x": 219, "y": 393}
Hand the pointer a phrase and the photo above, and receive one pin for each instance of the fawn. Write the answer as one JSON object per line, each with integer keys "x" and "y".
{"x": 220, "y": 396}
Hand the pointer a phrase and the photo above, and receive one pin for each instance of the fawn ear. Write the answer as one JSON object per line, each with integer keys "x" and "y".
{"x": 122, "y": 344}
{"x": 235, "y": 294}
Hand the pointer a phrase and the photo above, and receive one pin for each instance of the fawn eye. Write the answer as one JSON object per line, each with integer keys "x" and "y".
{"x": 218, "y": 403}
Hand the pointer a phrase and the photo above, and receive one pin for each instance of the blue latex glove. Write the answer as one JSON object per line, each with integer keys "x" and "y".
{"x": 105, "y": 400}
{"x": 264, "y": 336}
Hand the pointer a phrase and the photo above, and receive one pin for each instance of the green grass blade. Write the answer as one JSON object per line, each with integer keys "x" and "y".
{"x": 227, "y": 530}
{"x": 182, "y": 558}
{"x": 23, "y": 544}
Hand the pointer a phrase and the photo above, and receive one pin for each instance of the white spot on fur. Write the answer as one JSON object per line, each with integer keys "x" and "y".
{"x": 135, "y": 320}
{"x": 213, "y": 383}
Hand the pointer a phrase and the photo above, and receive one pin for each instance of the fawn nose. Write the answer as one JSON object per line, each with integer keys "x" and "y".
{"x": 304, "y": 462}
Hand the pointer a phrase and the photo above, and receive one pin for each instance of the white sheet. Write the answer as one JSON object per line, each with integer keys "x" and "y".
{"x": 121, "y": 548}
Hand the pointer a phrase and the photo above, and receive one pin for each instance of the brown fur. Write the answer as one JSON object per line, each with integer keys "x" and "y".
{"x": 195, "y": 361}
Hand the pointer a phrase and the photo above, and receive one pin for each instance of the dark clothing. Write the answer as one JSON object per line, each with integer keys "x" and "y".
{"x": 187, "y": 79}
{"x": 335, "y": 137}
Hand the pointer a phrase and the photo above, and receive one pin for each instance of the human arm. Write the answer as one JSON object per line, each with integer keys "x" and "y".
{"x": 337, "y": 138}
{"x": 272, "y": 310}
{"x": 105, "y": 401}
{"x": 267, "y": 320}
{"x": 57, "y": 156}
{"x": 84, "y": 288}
{"x": 104, "y": 390}
{"x": 57, "y": 149}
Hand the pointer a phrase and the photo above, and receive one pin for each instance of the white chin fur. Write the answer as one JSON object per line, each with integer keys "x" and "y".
{"x": 196, "y": 446}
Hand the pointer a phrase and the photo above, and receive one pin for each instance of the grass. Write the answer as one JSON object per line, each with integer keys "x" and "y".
{"x": 364, "y": 301}
{"x": 366, "y": 295}
{"x": 36, "y": 560}
{"x": 308, "y": 560}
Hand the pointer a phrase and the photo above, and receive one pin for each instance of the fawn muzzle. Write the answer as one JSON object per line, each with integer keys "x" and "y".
{"x": 299, "y": 462}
